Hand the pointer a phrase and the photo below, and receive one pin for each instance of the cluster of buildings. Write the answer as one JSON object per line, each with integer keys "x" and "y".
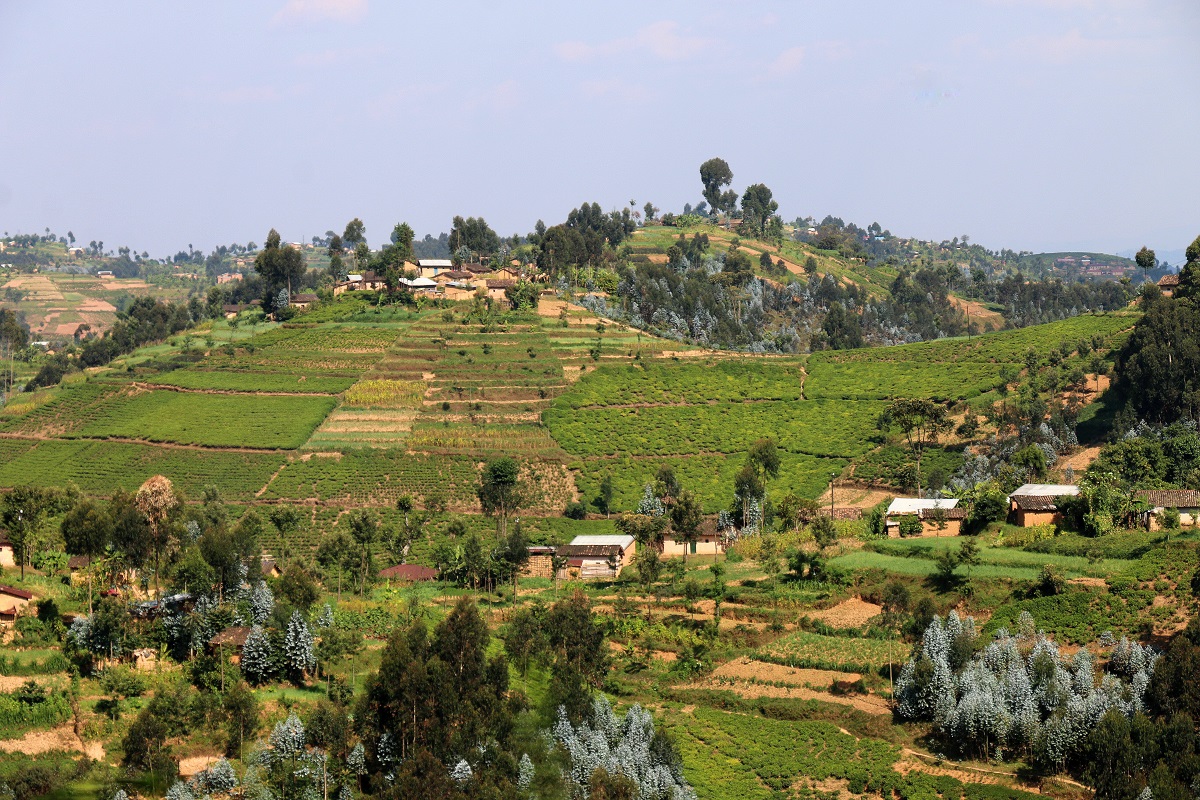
{"x": 441, "y": 277}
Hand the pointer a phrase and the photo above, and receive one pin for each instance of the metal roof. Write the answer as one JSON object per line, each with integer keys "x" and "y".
{"x": 1046, "y": 490}
{"x": 914, "y": 505}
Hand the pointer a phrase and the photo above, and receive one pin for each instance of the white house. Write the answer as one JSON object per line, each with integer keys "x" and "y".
{"x": 927, "y": 510}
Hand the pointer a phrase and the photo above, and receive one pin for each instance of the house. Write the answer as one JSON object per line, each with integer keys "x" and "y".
{"x": 1168, "y": 284}
{"x": 104, "y": 273}
{"x": 303, "y": 301}
{"x": 601, "y": 556}
{"x": 708, "y": 543}
{"x": 425, "y": 285}
{"x": 230, "y": 640}
{"x": 229, "y": 277}
{"x": 508, "y": 273}
{"x": 452, "y": 276}
{"x": 76, "y": 565}
{"x": 8, "y": 556}
{"x": 541, "y": 561}
{"x": 938, "y": 516}
{"x": 1185, "y": 501}
{"x": 231, "y": 310}
{"x": 432, "y": 267}
{"x": 269, "y": 568}
{"x": 1037, "y": 503}
{"x": 145, "y": 659}
{"x": 173, "y": 604}
{"x": 477, "y": 269}
{"x": 371, "y": 280}
{"x": 13, "y": 602}
{"x": 408, "y": 573}
{"x": 496, "y": 288}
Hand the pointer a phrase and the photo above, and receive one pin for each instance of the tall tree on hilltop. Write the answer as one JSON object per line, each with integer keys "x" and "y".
{"x": 1145, "y": 259}
{"x": 758, "y": 207}
{"x": 280, "y": 266}
{"x": 715, "y": 174}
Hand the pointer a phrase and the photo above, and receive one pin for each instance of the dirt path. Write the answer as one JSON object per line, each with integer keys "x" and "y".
{"x": 58, "y": 739}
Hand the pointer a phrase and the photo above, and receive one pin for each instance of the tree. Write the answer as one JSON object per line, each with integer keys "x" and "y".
{"x": 758, "y": 207}
{"x": 686, "y": 517}
{"x": 257, "y": 658}
{"x": 842, "y": 328}
{"x": 337, "y": 270}
{"x": 1145, "y": 259}
{"x": 286, "y": 520}
{"x": 968, "y": 554}
{"x": 87, "y": 531}
{"x": 156, "y": 499}
{"x": 22, "y": 512}
{"x": 824, "y": 531}
{"x": 299, "y": 654}
{"x": 604, "y": 498}
{"x": 280, "y": 267}
{"x": 355, "y": 232}
{"x": 922, "y": 421}
{"x": 715, "y": 174}
{"x": 648, "y": 567}
{"x": 365, "y": 532}
{"x": 474, "y": 234}
{"x": 501, "y": 491}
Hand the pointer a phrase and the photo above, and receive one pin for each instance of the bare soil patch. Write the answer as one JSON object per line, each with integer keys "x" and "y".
{"x": 190, "y": 766}
{"x": 744, "y": 668}
{"x": 852, "y": 613}
{"x": 58, "y": 739}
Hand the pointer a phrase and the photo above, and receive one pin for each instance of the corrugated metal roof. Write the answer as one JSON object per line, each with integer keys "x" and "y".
{"x": 914, "y": 505}
{"x": 1046, "y": 490}
{"x": 621, "y": 540}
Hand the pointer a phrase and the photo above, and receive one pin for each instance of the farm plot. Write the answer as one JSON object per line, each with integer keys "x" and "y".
{"x": 708, "y": 476}
{"x": 363, "y": 427}
{"x": 830, "y": 378}
{"x": 76, "y": 405}
{"x": 1004, "y": 347}
{"x": 253, "y": 381}
{"x": 784, "y": 754}
{"x": 923, "y": 567}
{"x": 847, "y": 654}
{"x": 816, "y": 427}
{"x": 376, "y": 477}
{"x": 215, "y": 420}
{"x": 98, "y": 468}
{"x": 670, "y": 383}
{"x": 486, "y": 440}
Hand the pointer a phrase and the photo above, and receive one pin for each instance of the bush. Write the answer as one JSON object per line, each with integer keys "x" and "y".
{"x": 1170, "y": 519}
{"x": 576, "y": 510}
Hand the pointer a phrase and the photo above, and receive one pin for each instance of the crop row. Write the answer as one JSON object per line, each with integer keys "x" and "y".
{"x": 254, "y": 381}
{"x": 815, "y": 651}
{"x": 1003, "y": 347}
{"x": 100, "y": 468}
{"x": 671, "y": 382}
{"x": 817, "y": 427}
{"x": 385, "y": 394}
{"x": 879, "y": 380}
{"x": 709, "y": 477}
{"x": 328, "y": 338}
{"x": 216, "y": 420}
{"x": 484, "y": 439}
{"x": 75, "y": 405}
{"x": 376, "y": 477}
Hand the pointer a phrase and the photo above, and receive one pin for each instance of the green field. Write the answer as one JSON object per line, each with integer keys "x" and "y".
{"x": 814, "y": 427}
{"x": 100, "y": 468}
{"x": 214, "y": 420}
{"x": 254, "y": 381}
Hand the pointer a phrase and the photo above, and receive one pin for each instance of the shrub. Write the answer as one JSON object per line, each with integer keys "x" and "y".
{"x": 575, "y": 510}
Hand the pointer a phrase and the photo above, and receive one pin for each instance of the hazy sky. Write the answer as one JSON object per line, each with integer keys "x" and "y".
{"x": 1031, "y": 124}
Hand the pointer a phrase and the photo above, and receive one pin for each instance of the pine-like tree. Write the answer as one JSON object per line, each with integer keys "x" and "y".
{"x": 525, "y": 773}
{"x": 256, "y": 656}
{"x": 299, "y": 654}
{"x": 262, "y": 603}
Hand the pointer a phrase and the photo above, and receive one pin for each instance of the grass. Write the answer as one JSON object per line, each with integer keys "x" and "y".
{"x": 922, "y": 567}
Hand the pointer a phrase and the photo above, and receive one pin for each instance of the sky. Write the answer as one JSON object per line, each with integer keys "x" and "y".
{"x": 1040, "y": 125}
